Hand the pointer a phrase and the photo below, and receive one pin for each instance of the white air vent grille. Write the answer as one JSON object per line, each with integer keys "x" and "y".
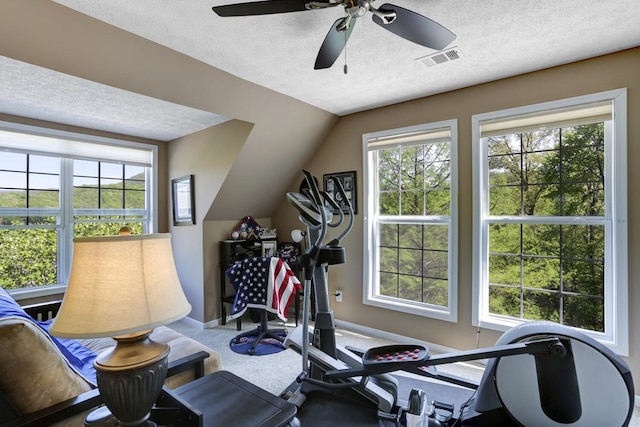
{"x": 441, "y": 57}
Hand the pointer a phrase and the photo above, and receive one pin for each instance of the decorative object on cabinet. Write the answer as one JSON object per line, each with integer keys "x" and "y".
{"x": 289, "y": 252}
{"x": 184, "y": 204}
{"x": 268, "y": 234}
{"x": 269, "y": 248}
{"x": 348, "y": 181}
{"x": 249, "y": 229}
{"x": 298, "y": 235}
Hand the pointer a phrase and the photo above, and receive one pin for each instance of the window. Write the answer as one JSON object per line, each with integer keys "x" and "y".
{"x": 55, "y": 186}
{"x": 550, "y": 234}
{"x": 411, "y": 219}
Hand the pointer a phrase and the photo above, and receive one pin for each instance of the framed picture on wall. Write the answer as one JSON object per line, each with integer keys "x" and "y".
{"x": 269, "y": 247}
{"x": 183, "y": 196}
{"x": 348, "y": 181}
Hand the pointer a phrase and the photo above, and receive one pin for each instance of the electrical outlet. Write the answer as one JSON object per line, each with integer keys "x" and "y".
{"x": 338, "y": 295}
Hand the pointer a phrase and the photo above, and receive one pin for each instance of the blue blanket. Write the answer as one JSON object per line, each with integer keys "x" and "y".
{"x": 78, "y": 357}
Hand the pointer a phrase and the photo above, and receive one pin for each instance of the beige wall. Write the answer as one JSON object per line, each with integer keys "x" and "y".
{"x": 342, "y": 151}
{"x": 207, "y": 155}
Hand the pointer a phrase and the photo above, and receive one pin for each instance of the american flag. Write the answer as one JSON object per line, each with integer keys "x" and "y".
{"x": 264, "y": 283}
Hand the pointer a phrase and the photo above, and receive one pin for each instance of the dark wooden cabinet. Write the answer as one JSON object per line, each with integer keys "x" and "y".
{"x": 232, "y": 251}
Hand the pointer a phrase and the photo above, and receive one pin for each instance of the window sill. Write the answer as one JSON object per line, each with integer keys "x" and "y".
{"x": 418, "y": 309}
{"x": 503, "y": 324}
{"x": 37, "y": 292}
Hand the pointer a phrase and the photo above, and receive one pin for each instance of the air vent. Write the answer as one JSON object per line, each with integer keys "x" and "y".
{"x": 441, "y": 57}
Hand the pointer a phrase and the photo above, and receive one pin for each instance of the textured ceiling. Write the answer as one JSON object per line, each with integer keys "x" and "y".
{"x": 39, "y": 93}
{"x": 496, "y": 39}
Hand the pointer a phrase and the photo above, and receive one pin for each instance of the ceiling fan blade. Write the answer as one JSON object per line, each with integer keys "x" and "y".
{"x": 268, "y": 7}
{"x": 415, "y": 27}
{"x": 333, "y": 44}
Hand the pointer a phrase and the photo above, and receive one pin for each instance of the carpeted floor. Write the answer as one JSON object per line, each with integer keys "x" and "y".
{"x": 274, "y": 372}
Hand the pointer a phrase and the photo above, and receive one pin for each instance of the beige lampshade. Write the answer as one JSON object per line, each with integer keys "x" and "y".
{"x": 120, "y": 285}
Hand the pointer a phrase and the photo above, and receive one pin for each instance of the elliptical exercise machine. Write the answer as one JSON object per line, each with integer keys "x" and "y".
{"x": 539, "y": 374}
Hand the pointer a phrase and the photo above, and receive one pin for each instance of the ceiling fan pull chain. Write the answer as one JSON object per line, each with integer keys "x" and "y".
{"x": 345, "y": 68}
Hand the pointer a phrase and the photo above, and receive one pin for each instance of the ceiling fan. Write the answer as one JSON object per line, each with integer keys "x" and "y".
{"x": 402, "y": 22}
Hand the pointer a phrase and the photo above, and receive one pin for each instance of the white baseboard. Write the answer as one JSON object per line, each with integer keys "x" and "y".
{"x": 199, "y": 325}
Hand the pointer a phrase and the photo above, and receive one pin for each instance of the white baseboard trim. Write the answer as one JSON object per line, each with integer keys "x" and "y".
{"x": 199, "y": 325}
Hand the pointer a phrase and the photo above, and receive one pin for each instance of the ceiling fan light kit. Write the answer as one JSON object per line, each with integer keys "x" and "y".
{"x": 400, "y": 21}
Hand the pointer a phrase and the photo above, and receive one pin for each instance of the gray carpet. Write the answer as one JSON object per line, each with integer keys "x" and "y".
{"x": 272, "y": 372}
{"x": 275, "y": 372}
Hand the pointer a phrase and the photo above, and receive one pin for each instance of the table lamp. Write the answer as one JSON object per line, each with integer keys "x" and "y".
{"x": 123, "y": 287}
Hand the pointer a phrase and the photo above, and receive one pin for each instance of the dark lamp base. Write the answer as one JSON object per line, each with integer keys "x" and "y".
{"x": 130, "y": 377}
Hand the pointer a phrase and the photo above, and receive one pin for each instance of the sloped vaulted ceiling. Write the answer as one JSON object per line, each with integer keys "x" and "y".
{"x": 285, "y": 132}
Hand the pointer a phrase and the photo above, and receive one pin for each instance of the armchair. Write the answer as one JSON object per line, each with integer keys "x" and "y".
{"x": 39, "y": 385}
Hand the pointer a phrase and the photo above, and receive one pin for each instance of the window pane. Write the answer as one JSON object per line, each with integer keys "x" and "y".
{"x": 38, "y": 181}
{"x": 13, "y": 198}
{"x": 541, "y": 306}
{"x": 44, "y": 199}
{"x": 13, "y": 161}
{"x": 28, "y": 257}
{"x": 389, "y": 260}
{"x": 389, "y": 285}
{"x": 13, "y": 179}
{"x": 557, "y": 172}
{"x": 410, "y": 287}
{"x": 85, "y": 198}
{"x": 91, "y": 229}
{"x": 421, "y": 260}
{"x": 436, "y": 237}
{"x": 44, "y": 164}
{"x": 410, "y": 235}
{"x": 388, "y": 235}
{"x": 410, "y": 261}
{"x": 583, "y": 312}
{"x": 436, "y": 292}
{"x": 566, "y": 259}
{"x": 111, "y": 170}
{"x": 134, "y": 199}
{"x": 111, "y": 199}
{"x": 504, "y": 301}
{"x": 389, "y": 203}
{"x": 85, "y": 168}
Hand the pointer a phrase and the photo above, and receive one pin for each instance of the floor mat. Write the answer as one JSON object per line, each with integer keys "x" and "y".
{"x": 266, "y": 346}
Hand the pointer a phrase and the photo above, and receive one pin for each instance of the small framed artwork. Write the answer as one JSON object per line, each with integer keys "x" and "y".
{"x": 348, "y": 181}
{"x": 184, "y": 205}
{"x": 269, "y": 247}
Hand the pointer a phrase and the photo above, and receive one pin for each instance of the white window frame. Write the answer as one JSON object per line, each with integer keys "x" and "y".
{"x": 616, "y": 334}
{"x": 72, "y": 145}
{"x": 371, "y": 295}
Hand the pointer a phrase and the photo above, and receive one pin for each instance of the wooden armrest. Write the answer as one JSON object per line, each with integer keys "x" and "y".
{"x": 59, "y": 411}
{"x": 194, "y": 361}
{"x": 43, "y": 311}
{"x": 170, "y": 407}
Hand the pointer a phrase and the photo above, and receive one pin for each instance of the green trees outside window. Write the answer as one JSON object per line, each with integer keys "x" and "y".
{"x": 411, "y": 223}
{"x": 550, "y": 237}
{"x": 37, "y": 211}
{"x": 548, "y": 271}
